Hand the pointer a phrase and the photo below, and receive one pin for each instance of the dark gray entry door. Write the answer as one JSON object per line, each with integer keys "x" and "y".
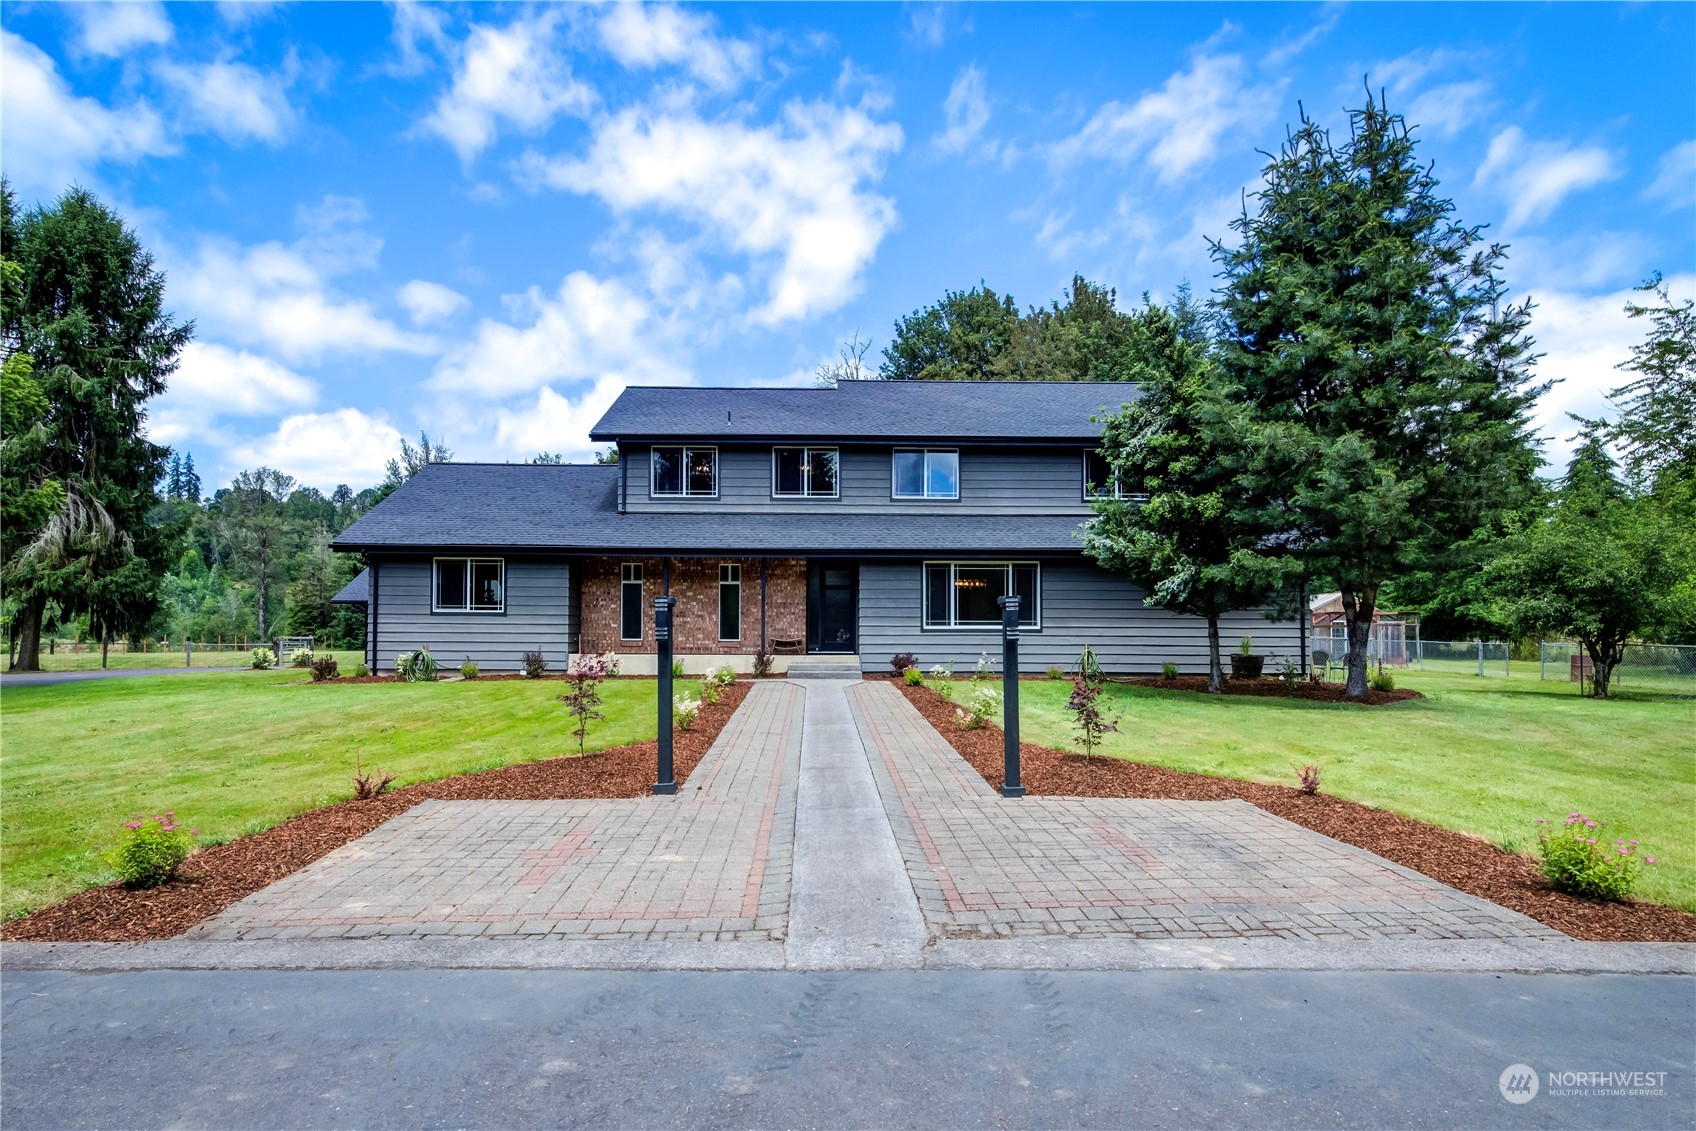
{"x": 831, "y": 612}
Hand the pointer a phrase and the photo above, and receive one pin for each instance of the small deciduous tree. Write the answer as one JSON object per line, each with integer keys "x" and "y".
{"x": 583, "y": 701}
{"x": 1087, "y": 717}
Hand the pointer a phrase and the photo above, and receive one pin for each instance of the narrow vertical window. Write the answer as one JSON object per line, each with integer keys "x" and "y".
{"x": 729, "y": 602}
{"x": 630, "y": 602}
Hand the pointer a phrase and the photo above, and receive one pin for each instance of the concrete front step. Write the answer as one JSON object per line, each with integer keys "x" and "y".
{"x": 822, "y": 671}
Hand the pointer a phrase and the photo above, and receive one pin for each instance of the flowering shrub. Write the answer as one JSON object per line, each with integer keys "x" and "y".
{"x": 1087, "y": 718}
{"x": 150, "y": 850}
{"x": 913, "y": 677}
{"x": 685, "y": 709}
{"x": 1578, "y": 860}
{"x": 721, "y": 676}
{"x": 324, "y": 669}
{"x": 301, "y": 659}
{"x": 981, "y": 703}
{"x": 902, "y": 662}
{"x": 263, "y": 658}
{"x": 985, "y": 668}
{"x": 943, "y": 677}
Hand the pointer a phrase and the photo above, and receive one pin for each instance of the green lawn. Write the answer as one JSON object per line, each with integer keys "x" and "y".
{"x": 1485, "y": 756}
{"x": 63, "y": 661}
{"x": 234, "y": 753}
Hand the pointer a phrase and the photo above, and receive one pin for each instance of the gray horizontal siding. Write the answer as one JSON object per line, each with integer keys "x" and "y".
{"x": 538, "y": 616}
{"x": 1081, "y": 604}
{"x": 992, "y": 481}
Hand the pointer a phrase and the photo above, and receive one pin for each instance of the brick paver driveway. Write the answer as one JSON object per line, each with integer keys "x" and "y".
{"x": 928, "y": 838}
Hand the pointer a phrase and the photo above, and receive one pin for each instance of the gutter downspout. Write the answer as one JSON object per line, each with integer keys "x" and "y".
{"x": 623, "y": 481}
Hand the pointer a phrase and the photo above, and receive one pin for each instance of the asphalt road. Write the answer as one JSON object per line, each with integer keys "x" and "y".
{"x": 423, "y": 1048}
{"x": 49, "y": 679}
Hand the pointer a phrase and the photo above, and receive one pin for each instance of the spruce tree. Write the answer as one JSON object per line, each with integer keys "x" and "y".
{"x": 1383, "y": 385}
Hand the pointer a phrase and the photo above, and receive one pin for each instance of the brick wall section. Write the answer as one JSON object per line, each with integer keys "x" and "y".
{"x": 694, "y": 582}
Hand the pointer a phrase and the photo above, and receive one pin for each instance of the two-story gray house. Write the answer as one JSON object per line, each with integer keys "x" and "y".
{"x": 869, "y": 519}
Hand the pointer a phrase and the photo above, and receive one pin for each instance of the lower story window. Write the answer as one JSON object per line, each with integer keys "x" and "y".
{"x": 965, "y": 594}
{"x": 470, "y": 585}
{"x": 630, "y": 601}
{"x": 730, "y": 602}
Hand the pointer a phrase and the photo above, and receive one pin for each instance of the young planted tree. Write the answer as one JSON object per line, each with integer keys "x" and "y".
{"x": 1599, "y": 565}
{"x": 1177, "y": 525}
{"x": 1383, "y": 386}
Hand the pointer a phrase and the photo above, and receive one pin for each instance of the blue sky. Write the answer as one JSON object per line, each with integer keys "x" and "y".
{"x": 484, "y": 220}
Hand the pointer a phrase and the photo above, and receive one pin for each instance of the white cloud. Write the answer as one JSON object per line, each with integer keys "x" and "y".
{"x": 232, "y": 99}
{"x": 322, "y": 449}
{"x": 555, "y": 423}
{"x": 1440, "y": 109}
{"x": 792, "y": 192}
{"x": 279, "y": 296}
{"x": 516, "y": 75}
{"x": 1534, "y": 177}
{"x": 212, "y": 381}
{"x": 967, "y": 108}
{"x": 1290, "y": 48}
{"x": 1675, "y": 176}
{"x": 53, "y": 138}
{"x": 1447, "y": 109}
{"x": 416, "y": 23}
{"x": 430, "y": 302}
{"x": 653, "y": 35}
{"x": 590, "y": 329}
{"x": 1180, "y": 126}
{"x": 112, "y": 30}
{"x": 932, "y": 24}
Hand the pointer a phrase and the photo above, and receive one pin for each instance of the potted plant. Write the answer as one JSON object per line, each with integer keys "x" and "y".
{"x": 1245, "y": 664}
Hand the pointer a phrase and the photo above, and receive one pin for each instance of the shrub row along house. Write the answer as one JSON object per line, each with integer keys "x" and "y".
{"x": 869, "y": 519}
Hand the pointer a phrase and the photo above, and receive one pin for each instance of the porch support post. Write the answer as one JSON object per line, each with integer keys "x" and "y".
{"x": 667, "y": 780}
{"x": 1011, "y": 786}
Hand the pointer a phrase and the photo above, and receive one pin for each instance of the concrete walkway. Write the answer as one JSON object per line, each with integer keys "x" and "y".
{"x": 831, "y": 828}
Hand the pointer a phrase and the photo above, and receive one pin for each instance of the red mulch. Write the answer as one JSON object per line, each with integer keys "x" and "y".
{"x": 1317, "y": 692}
{"x": 216, "y": 877}
{"x": 1465, "y": 862}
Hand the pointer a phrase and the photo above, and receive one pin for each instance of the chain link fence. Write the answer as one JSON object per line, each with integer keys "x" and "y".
{"x": 1666, "y": 669}
{"x": 1663, "y": 669}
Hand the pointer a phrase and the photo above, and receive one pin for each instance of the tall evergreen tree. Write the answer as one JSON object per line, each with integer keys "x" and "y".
{"x": 1657, "y": 424}
{"x": 956, "y": 339}
{"x": 1384, "y": 383}
{"x": 90, "y": 311}
{"x": 190, "y": 480}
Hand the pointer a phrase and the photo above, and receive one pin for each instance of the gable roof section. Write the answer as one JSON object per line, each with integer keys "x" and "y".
{"x": 1019, "y": 411}
{"x": 355, "y": 592}
{"x": 573, "y": 509}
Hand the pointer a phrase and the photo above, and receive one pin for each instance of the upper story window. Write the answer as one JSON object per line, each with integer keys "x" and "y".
{"x": 684, "y": 471}
{"x": 1102, "y": 481}
{"x": 469, "y": 585}
{"x": 926, "y": 473}
{"x": 804, "y": 473}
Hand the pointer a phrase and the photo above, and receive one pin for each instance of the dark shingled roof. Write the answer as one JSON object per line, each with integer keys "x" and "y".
{"x": 573, "y": 508}
{"x": 866, "y": 410}
{"x": 355, "y": 592}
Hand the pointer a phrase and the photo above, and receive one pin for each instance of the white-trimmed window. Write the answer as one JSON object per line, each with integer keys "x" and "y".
{"x": 805, "y": 473}
{"x": 683, "y": 471}
{"x": 926, "y": 473}
{"x": 1102, "y": 481}
{"x": 630, "y": 601}
{"x": 964, "y": 594}
{"x": 469, "y": 585}
{"x": 729, "y": 602}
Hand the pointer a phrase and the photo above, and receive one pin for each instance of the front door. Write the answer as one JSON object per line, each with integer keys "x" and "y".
{"x": 830, "y": 607}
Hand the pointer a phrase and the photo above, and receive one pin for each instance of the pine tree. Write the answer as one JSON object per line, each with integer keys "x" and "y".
{"x": 190, "y": 480}
{"x": 1383, "y": 381}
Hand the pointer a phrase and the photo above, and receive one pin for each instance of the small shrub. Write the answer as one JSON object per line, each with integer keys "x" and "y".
{"x": 301, "y": 659}
{"x": 416, "y": 667}
{"x": 913, "y": 677}
{"x": 1289, "y": 670}
{"x": 263, "y": 658}
{"x": 367, "y": 786}
{"x": 902, "y": 661}
{"x": 1169, "y": 670}
{"x": 360, "y": 671}
{"x": 151, "y": 849}
{"x": 685, "y": 709}
{"x": 468, "y": 670}
{"x": 583, "y": 701}
{"x": 985, "y": 668}
{"x": 942, "y": 676}
{"x": 980, "y": 704}
{"x": 1087, "y": 718}
{"x": 762, "y": 663}
{"x": 1055, "y": 673}
{"x": 722, "y": 676}
{"x": 325, "y": 669}
{"x": 1381, "y": 680}
{"x": 1576, "y": 860}
{"x": 709, "y": 692}
{"x": 1309, "y": 778}
{"x": 677, "y": 669}
{"x": 535, "y": 665}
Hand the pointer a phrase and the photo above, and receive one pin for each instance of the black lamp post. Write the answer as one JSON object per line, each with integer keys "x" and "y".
{"x": 1011, "y": 786}
{"x": 667, "y": 783}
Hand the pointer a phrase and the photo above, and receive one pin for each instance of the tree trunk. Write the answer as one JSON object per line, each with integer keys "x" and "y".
{"x": 1215, "y": 663}
{"x": 1358, "y": 608}
{"x": 264, "y": 568}
{"x": 1605, "y": 656}
{"x": 104, "y": 644}
{"x": 27, "y": 631}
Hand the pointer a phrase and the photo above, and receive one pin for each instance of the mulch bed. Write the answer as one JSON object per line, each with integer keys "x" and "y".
{"x": 219, "y": 876}
{"x": 1277, "y": 688}
{"x": 1468, "y": 863}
